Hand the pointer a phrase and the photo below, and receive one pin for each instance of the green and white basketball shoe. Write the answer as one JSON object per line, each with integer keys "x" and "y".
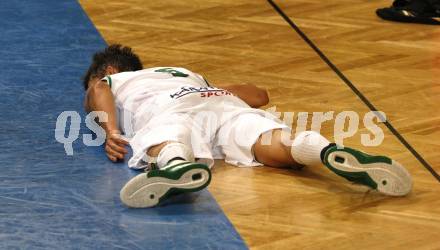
{"x": 377, "y": 172}
{"x": 150, "y": 188}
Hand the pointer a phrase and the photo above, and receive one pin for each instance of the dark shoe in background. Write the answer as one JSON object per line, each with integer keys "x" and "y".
{"x": 415, "y": 11}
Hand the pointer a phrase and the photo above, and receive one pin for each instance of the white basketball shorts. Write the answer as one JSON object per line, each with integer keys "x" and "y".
{"x": 209, "y": 139}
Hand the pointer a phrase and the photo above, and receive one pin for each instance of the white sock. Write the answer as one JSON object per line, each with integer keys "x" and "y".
{"x": 307, "y": 146}
{"x": 174, "y": 151}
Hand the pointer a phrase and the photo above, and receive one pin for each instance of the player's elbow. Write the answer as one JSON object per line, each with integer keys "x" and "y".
{"x": 262, "y": 98}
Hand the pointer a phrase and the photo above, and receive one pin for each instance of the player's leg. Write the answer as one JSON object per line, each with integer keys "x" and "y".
{"x": 274, "y": 148}
{"x": 270, "y": 150}
{"x": 310, "y": 148}
{"x": 172, "y": 170}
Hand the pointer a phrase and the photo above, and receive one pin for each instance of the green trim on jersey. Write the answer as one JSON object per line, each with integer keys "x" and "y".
{"x": 172, "y": 71}
{"x": 109, "y": 81}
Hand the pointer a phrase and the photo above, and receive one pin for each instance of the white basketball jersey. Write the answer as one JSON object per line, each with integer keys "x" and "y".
{"x": 142, "y": 95}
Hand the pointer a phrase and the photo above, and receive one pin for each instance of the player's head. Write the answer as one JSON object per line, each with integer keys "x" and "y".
{"x": 116, "y": 57}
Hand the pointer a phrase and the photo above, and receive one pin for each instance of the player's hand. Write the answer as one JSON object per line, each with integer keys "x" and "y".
{"x": 115, "y": 146}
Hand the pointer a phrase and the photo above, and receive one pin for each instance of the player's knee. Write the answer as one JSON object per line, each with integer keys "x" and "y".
{"x": 263, "y": 154}
{"x": 272, "y": 153}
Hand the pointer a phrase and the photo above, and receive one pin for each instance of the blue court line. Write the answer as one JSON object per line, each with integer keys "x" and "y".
{"x": 49, "y": 200}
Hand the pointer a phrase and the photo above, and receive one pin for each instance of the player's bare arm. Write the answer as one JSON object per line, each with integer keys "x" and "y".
{"x": 100, "y": 98}
{"x": 250, "y": 94}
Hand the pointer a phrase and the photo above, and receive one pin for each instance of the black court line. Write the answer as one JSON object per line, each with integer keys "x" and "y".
{"x": 355, "y": 90}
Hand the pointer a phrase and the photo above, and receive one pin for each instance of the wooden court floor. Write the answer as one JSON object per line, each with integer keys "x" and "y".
{"x": 395, "y": 66}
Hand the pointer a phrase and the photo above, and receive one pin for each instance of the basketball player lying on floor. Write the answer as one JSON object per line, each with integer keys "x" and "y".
{"x": 178, "y": 123}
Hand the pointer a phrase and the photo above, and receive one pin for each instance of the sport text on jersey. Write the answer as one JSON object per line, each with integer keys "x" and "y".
{"x": 204, "y": 92}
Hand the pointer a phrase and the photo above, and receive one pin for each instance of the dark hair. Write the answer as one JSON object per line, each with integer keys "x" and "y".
{"x": 121, "y": 57}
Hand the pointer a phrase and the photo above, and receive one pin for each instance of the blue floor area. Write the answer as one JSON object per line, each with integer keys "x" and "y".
{"x": 49, "y": 200}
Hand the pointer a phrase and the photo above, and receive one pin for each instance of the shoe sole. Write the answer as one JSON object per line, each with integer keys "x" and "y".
{"x": 143, "y": 191}
{"x": 387, "y": 176}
